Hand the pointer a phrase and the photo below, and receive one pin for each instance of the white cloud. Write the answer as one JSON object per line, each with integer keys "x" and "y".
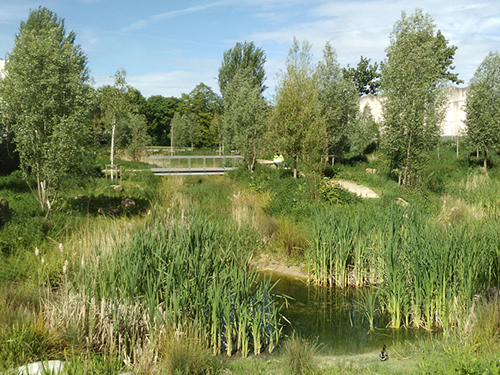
{"x": 141, "y": 24}
{"x": 357, "y": 28}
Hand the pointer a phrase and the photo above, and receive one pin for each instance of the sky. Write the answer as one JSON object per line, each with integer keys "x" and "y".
{"x": 167, "y": 47}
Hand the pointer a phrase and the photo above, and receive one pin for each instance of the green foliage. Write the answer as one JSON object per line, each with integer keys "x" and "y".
{"x": 428, "y": 274}
{"x": 45, "y": 98}
{"x": 196, "y": 268}
{"x": 413, "y": 81}
{"x": 245, "y": 117}
{"x": 242, "y": 56}
{"x": 121, "y": 110}
{"x": 483, "y": 106}
{"x": 187, "y": 357}
{"x": 338, "y": 101}
{"x": 205, "y": 104}
{"x": 364, "y": 130}
{"x": 299, "y": 355}
{"x": 331, "y": 192}
{"x": 290, "y": 197}
{"x": 185, "y": 130}
{"x": 365, "y": 76}
{"x": 296, "y": 125}
{"x": 159, "y": 112}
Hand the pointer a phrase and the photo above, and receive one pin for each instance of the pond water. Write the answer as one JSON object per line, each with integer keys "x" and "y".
{"x": 331, "y": 317}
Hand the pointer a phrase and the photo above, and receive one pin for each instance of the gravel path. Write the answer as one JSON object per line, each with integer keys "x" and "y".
{"x": 359, "y": 190}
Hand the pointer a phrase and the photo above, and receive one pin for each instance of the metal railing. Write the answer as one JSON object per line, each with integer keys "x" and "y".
{"x": 194, "y": 165}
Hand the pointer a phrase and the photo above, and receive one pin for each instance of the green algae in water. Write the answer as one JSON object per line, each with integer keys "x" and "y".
{"x": 331, "y": 317}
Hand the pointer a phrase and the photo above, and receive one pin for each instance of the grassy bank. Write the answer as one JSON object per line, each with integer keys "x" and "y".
{"x": 168, "y": 284}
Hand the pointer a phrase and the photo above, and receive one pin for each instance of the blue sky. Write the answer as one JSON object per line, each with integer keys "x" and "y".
{"x": 168, "y": 47}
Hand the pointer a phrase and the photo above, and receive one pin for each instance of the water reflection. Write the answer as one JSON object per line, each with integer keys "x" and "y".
{"x": 331, "y": 317}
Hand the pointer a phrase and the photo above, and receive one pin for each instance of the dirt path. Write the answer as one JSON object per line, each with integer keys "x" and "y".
{"x": 267, "y": 263}
{"x": 359, "y": 190}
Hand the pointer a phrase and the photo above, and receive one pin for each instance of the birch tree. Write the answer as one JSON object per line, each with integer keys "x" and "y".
{"x": 115, "y": 107}
{"x": 46, "y": 97}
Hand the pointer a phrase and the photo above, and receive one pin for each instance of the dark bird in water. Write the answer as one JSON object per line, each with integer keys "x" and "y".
{"x": 383, "y": 354}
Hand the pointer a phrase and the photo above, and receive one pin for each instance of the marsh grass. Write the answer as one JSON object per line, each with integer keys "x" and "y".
{"x": 186, "y": 355}
{"x": 291, "y": 238}
{"x": 298, "y": 355}
{"x": 171, "y": 270}
{"x": 428, "y": 273}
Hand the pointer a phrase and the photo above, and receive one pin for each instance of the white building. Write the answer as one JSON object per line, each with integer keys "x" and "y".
{"x": 453, "y": 123}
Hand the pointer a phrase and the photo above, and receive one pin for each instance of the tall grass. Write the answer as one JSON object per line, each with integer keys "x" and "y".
{"x": 299, "y": 355}
{"x": 184, "y": 271}
{"x": 428, "y": 273}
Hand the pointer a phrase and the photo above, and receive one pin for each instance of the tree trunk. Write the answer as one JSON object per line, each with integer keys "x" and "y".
{"x": 113, "y": 146}
{"x": 295, "y": 159}
{"x": 485, "y": 157}
{"x": 407, "y": 169}
{"x": 172, "y": 142}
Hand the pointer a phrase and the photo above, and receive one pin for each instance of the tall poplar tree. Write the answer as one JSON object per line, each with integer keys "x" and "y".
{"x": 243, "y": 56}
{"x": 45, "y": 96}
{"x": 482, "y": 106}
{"x": 338, "y": 99}
{"x": 414, "y": 75}
{"x": 245, "y": 117}
{"x": 296, "y": 125}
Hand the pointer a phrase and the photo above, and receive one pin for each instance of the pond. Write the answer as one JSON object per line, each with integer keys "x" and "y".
{"x": 331, "y": 317}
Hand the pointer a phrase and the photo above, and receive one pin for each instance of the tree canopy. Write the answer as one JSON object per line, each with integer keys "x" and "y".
{"x": 243, "y": 56}
{"x": 245, "y": 115}
{"x": 185, "y": 130}
{"x": 338, "y": 101}
{"x": 46, "y": 96}
{"x": 483, "y": 106}
{"x": 159, "y": 112}
{"x": 204, "y": 104}
{"x": 296, "y": 125}
{"x": 414, "y": 76}
{"x": 365, "y": 76}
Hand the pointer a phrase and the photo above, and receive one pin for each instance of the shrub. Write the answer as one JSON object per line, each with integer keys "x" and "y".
{"x": 299, "y": 355}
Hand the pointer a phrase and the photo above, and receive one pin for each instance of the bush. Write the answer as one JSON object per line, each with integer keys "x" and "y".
{"x": 185, "y": 356}
{"x": 299, "y": 355}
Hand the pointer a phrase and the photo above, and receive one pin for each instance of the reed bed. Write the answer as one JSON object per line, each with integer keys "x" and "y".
{"x": 427, "y": 273}
{"x": 184, "y": 271}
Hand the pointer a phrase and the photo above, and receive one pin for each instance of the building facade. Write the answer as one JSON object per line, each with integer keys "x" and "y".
{"x": 453, "y": 123}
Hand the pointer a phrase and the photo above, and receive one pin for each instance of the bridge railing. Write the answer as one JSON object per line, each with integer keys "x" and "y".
{"x": 189, "y": 165}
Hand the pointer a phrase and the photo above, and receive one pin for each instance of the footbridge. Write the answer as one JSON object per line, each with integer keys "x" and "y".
{"x": 194, "y": 165}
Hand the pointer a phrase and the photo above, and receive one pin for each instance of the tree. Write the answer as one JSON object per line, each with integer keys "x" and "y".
{"x": 245, "y": 115}
{"x": 217, "y": 131}
{"x": 413, "y": 79}
{"x": 482, "y": 106}
{"x": 364, "y": 130}
{"x": 159, "y": 112}
{"x": 122, "y": 107}
{"x": 243, "y": 56}
{"x": 45, "y": 97}
{"x": 338, "y": 102}
{"x": 185, "y": 129}
{"x": 365, "y": 76}
{"x": 115, "y": 107}
{"x": 138, "y": 137}
{"x": 204, "y": 103}
{"x": 296, "y": 125}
